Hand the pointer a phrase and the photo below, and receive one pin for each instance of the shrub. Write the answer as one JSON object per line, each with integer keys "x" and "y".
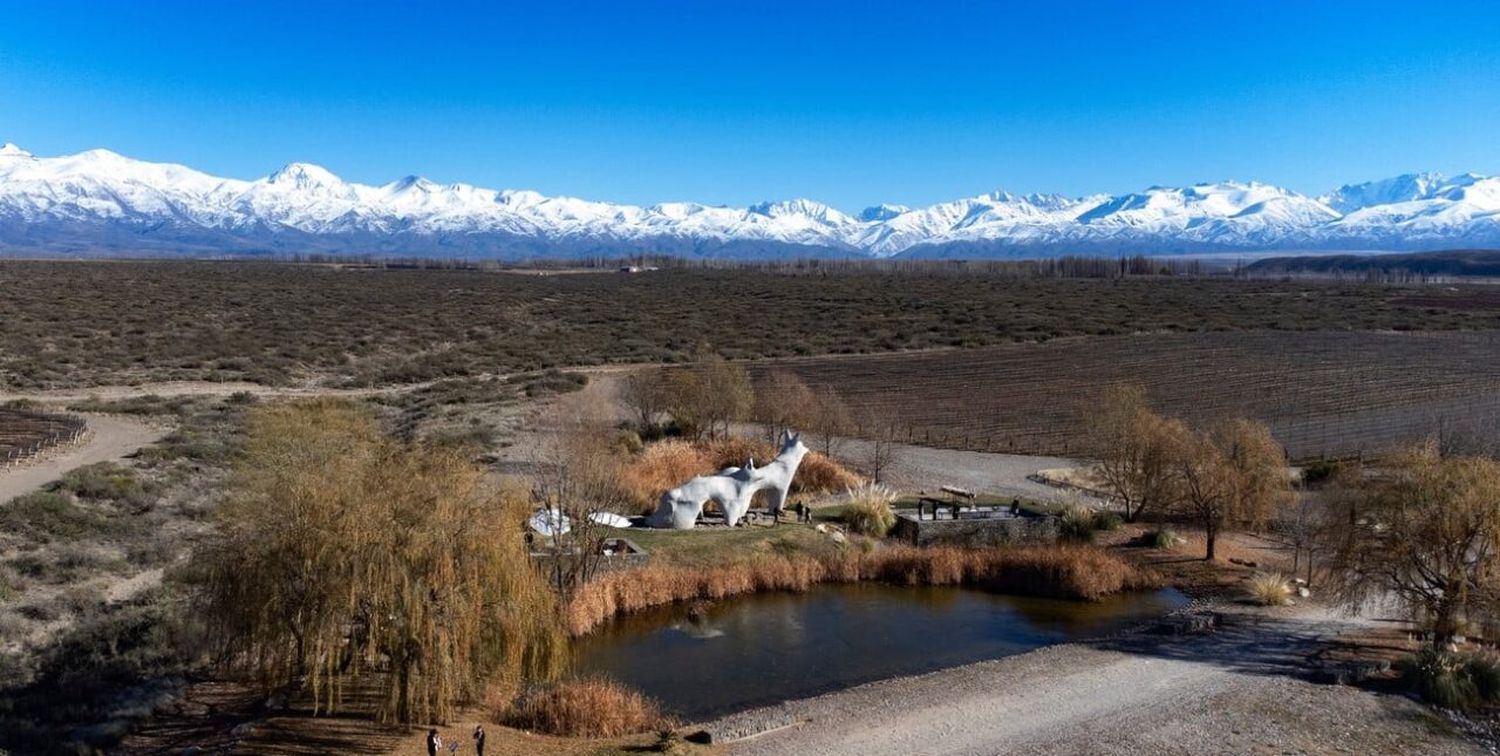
{"x": 1270, "y": 589}
{"x": 819, "y": 474}
{"x": 107, "y": 481}
{"x": 868, "y": 511}
{"x": 661, "y": 466}
{"x": 1163, "y": 538}
{"x": 586, "y": 708}
{"x": 1108, "y": 521}
{"x": 1319, "y": 470}
{"x": 1453, "y": 681}
{"x": 1078, "y": 524}
{"x": 46, "y": 516}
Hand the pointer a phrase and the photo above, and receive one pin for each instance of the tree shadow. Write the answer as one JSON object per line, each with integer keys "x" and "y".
{"x": 1256, "y": 645}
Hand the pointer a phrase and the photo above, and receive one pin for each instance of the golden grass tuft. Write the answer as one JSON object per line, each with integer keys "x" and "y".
{"x": 868, "y": 510}
{"x": 585, "y": 708}
{"x": 1064, "y": 571}
{"x": 1270, "y": 589}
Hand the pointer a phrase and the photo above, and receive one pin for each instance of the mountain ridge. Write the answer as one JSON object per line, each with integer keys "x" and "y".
{"x": 101, "y": 201}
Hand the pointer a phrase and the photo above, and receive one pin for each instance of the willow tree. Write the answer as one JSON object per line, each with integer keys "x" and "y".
{"x": 341, "y": 553}
{"x": 1233, "y": 474}
{"x": 1424, "y": 532}
{"x": 1136, "y": 450}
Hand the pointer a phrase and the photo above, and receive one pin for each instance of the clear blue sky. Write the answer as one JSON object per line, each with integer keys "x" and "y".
{"x": 851, "y": 103}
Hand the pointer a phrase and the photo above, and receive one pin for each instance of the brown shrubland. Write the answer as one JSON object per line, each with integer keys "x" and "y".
{"x": 1073, "y": 572}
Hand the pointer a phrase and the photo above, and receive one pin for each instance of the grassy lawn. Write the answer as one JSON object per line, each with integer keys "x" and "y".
{"x": 704, "y": 547}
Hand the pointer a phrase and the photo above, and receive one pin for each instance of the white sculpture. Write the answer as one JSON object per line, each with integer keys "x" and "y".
{"x": 732, "y": 488}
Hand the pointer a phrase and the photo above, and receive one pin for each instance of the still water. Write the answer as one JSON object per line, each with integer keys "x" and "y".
{"x": 765, "y": 648}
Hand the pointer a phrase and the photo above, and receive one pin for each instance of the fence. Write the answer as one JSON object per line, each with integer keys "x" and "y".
{"x": 24, "y": 434}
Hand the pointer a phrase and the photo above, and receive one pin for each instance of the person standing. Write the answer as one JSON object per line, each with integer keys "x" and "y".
{"x": 433, "y": 742}
{"x": 479, "y": 739}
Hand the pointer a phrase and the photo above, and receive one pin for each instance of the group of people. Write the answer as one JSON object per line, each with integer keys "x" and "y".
{"x": 435, "y": 742}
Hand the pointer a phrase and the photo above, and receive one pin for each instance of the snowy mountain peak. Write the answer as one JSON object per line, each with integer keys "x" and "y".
{"x": 882, "y": 212}
{"x": 99, "y": 200}
{"x": 304, "y": 176}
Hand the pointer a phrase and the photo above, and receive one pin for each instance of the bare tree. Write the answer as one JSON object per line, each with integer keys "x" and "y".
{"x": 1427, "y": 534}
{"x": 576, "y": 478}
{"x": 1135, "y": 449}
{"x": 831, "y": 421}
{"x": 783, "y": 403}
{"x": 881, "y": 448}
{"x": 1235, "y": 474}
{"x": 647, "y": 394}
{"x": 710, "y": 394}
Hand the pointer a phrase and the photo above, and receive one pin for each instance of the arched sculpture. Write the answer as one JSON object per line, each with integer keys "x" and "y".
{"x": 732, "y": 488}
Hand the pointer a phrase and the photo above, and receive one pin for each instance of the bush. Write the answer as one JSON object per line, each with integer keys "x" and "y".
{"x": 46, "y": 516}
{"x": 586, "y": 708}
{"x": 1164, "y": 539}
{"x": 1270, "y": 589}
{"x": 819, "y": 474}
{"x": 1078, "y": 524}
{"x": 1453, "y": 681}
{"x": 107, "y": 481}
{"x": 868, "y": 511}
{"x": 1320, "y": 470}
{"x": 1108, "y": 521}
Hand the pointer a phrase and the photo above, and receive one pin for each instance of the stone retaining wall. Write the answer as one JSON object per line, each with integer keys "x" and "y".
{"x": 976, "y": 532}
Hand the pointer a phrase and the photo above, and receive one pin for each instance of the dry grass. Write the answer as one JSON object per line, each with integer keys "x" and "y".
{"x": 1067, "y": 571}
{"x": 1270, "y": 589}
{"x": 585, "y": 708}
{"x": 666, "y": 464}
{"x": 868, "y": 511}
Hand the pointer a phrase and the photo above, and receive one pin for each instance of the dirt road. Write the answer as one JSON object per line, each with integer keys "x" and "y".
{"x": 1241, "y": 690}
{"x": 109, "y": 438}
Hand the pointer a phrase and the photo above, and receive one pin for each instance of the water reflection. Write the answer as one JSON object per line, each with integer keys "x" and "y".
{"x": 771, "y": 647}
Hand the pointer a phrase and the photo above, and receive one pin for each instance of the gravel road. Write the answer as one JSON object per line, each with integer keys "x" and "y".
{"x": 1239, "y": 690}
{"x": 925, "y": 468}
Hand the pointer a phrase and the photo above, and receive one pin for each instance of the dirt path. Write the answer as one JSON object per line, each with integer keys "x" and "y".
{"x": 110, "y": 438}
{"x": 1240, "y": 690}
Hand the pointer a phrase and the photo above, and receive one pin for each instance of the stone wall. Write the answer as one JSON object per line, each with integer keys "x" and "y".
{"x": 976, "y": 532}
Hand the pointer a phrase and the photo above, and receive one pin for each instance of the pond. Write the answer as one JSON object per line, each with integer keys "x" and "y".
{"x": 765, "y": 648}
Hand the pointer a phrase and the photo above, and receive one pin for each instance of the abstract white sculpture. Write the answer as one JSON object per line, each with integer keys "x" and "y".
{"x": 732, "y": 487}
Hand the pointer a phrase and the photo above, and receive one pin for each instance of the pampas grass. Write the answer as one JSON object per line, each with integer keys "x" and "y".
{"x": 1064, "y": 571}
{"x": 585, "y": 708}
{"x": 868, "y": 511}
{"x": 1270, "y": 589}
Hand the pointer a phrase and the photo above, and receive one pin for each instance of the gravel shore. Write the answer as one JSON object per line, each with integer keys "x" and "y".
{"x": 1241, "y": 689}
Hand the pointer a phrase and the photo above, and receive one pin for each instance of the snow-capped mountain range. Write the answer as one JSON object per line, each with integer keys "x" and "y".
{"x": 102, "y": 202}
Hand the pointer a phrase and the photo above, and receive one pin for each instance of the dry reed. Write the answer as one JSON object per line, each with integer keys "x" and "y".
{"x": 1064, "y": 571}
{"x": 585, "y": 708}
